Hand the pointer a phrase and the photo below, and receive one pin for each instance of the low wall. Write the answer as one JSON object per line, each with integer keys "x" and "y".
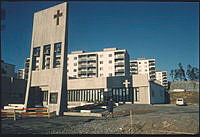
{"x": 189, "y": 97}
{"x": 186, "y": 85}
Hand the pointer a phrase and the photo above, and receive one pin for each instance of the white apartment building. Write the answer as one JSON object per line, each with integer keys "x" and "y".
{"x": 26, "y": 68}
{"x": 106, "y": 63}
{"x": 143, "y": 66}
{"x": 161, "y": 76}
{"x": 21, "y": 74}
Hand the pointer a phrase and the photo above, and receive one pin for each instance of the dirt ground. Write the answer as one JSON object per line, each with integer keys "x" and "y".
{"x": 146, "y": 119}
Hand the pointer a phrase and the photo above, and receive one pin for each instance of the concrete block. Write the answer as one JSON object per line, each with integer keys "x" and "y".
{"x": 82, "y": 114}
{"x": 16, "y": 105}
{"x": 128, "y": 103}
{"x": 85, "y": 111}
{"x": 105, "y": 107}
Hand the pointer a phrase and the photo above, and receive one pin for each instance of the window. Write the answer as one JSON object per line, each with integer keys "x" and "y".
{"x": 57, "y": 53}
{"x": 137, "y": 94}
{"x": 139, "y": 62}
{"x": 101, "y": 62}
{"x": 101, "y": 75}
{"x": 101, "y": 68}
{"x": 101, "y": 55}
{"x": 57, "y": 48}
{"x": 110, "y": 61}
{"x": 110, "y": 55}
{"x": 53, "y": 98}
{"x": 75, "y": 58}
{"x": 145, "y": 69}
{"x": 110, "y": 74}
{"x": 75, "y": 64}
{"x": 145, "y": 62}
{"x": 74, "y": 70}
{"x": 45, "y": 95}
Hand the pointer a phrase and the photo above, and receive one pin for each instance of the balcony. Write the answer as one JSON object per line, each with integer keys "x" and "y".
{"x": 152, "y": 68}
{"x": 133, "y": 69}
{"x": 133, "y": 65}
{"x": 119, "y": 70}
{"x": 119, "y": 56}
{"x": 151, "y": 64}
{"x": 82, "y": 60}
{"x": 119, "y": 73}
{"x": 82, "y": 72}
{"x": 92, "y": 58}
{"x": 91, "y": 65}
{"x": 91, "y": 71}
{"x": 82, "y": 66}
{"x": 119, "y": 63}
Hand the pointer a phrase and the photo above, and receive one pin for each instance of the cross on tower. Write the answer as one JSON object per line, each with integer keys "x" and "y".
{"x": 126, "y": 83}
{"x": 57, "y": 16}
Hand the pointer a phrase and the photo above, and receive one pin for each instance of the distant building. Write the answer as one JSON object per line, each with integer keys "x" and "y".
{"x": 26, "y": 68}
{"x": 106, "y": 63}
{"x": 162, "y": 77}
{"x": 20, "y": 74}
{"x": 7, "y": 70}
{"x": 23, "y": 73}
{"x": 143, "y": 66}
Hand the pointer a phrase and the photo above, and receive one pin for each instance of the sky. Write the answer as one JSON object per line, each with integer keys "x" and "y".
{"x": 166, "y": 31}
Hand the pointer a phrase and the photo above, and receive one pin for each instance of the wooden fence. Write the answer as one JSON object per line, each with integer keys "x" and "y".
{"x": 26, "y": 112}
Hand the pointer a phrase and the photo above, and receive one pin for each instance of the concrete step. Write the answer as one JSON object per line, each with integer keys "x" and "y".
{"x": 82, "y": 114}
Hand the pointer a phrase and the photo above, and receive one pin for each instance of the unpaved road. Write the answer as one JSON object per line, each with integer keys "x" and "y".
{"x": 146, "y": 119}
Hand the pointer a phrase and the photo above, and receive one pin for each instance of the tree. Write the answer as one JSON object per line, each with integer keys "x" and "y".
{"x": 181, "y": 72}
{"x": 172, "y": 73}
{"x": 178, "y": 74}
{"x": 192, "y": 73}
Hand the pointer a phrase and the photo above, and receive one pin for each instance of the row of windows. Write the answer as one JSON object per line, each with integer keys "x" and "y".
{"x": 141, "y": 62}
{"x": 53, "y": 97}
{"x": 101, "y": 62}
{"x": 109, "y": 55}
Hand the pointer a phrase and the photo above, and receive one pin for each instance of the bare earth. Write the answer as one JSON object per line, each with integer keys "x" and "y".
{"x": 146, "y": 119}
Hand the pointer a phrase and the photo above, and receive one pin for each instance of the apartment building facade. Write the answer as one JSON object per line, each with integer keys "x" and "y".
{"x": 7, "y": 70}
{"x": 106, "y": 63}
{"x": 23, "y": 73}
{"x": 143, "y": 66}
{"x": 161, "y": 76}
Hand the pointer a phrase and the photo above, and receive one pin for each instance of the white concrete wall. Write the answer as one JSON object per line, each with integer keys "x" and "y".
{"x": 98, "y": 82}
{"x": 89, "y": 83}
{"x": 141, "y": 81}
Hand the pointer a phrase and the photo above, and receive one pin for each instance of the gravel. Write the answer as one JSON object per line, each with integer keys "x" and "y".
{"x": 147, "y": 119}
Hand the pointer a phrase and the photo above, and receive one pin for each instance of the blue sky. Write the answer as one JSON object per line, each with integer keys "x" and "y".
{"x": 166, "y": 31}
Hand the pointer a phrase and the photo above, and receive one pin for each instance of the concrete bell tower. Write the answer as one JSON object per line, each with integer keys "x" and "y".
{"x": 47, "y": 80}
